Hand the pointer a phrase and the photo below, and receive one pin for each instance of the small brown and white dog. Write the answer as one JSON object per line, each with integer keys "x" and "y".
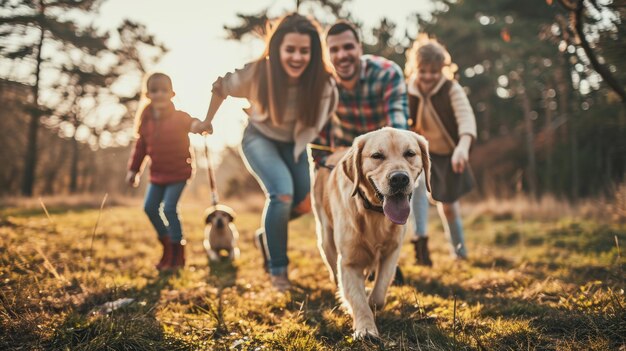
{"x": 220, "y": 233}
{"x": 361, "y": 207}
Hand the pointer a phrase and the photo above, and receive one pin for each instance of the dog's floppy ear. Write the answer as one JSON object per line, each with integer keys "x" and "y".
{"x": 209, "y": 214}
{"x": 423, "y": 144}
{"x": 230, "y": 216}
{"x": 351, "y": 163}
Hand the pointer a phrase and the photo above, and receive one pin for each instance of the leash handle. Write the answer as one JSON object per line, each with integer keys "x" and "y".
{"x": 211, "y": 173}
{"x": 319, "y": 147}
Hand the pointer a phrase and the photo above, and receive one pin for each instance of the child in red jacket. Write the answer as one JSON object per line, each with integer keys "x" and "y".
{"x": 163, "y": 136}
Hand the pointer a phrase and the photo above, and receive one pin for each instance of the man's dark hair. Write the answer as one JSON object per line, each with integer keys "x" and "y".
{"x": 342, "y": 26}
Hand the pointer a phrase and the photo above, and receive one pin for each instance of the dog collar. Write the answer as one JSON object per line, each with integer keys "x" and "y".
{"x": 368, "y": 204}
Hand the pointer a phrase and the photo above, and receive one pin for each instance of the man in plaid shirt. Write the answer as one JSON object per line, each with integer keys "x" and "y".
{"x": 372, "y": 95}
{"x": 372, "y": 92}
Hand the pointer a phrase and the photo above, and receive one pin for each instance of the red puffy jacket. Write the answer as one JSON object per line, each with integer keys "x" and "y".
{"x": 166, "y": 141}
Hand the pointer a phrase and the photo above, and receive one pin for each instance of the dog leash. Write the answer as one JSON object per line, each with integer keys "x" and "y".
{"x": 329, "y": 149}
{"x": 211, "y": 174}
{"x": 321, "y": 163}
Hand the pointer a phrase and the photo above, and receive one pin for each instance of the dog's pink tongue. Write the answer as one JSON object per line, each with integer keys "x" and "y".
{"x": 397, "y": 208}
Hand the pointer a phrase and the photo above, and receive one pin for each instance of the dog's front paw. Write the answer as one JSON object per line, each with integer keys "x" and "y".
{"x": 365, "y": 333}
{"x": 365, "y": 328}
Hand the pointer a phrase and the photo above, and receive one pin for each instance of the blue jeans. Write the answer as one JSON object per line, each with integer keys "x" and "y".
{"x": 286, "y": 183}
{"x": 450, "y": 215}
{"x": 161, "y": 207}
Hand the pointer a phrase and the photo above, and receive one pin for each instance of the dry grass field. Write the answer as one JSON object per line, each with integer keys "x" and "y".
{"x": 537, "y": 281}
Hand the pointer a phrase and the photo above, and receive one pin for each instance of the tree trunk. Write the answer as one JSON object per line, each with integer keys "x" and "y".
{"x": 487, "y": 123}
{"x": 57, "y": 152}
{"x": 87, "y": 175}
{"x": 549, "y": 185}
{"x": 94, "y": 172}
{"x": 74, "y": 165}
{"x": 50, "y": 174}
{"x": 30, "y": 160}
{"x": 531, "y": 172}
{"x": 573, "y": 139}
{"x": 564, "y": 94}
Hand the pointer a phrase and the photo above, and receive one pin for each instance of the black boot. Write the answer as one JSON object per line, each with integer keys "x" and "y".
{"x": 259, "y": 242}
{"x": 398, "y": 278}
{"x": 422, "y": 256}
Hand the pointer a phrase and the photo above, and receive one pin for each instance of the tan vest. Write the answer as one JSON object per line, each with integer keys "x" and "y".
{"x": 443, "y": 106}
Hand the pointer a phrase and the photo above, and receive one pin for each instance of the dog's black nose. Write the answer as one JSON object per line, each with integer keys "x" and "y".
{"x": 398, "y": 180}
{"x": 220, "y": 223}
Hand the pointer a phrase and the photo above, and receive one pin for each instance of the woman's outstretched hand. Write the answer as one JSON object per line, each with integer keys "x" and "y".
{"x": 203, "y": 127}
{"x": 214, "y": 105}
{"x": 207, "y": 128}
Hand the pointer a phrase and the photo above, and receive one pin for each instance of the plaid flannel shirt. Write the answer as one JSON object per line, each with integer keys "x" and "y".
{"x": 379, "y": 99}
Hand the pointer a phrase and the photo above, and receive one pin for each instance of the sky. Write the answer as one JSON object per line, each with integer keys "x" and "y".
{"x": 199, "y": 53}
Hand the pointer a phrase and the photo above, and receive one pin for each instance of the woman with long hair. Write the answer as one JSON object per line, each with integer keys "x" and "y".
{"x": 292, "y": 95}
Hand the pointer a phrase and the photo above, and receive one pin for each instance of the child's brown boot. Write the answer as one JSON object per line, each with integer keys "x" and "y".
{"x": 166, "y": 259}
{"x": 178, "y": 255}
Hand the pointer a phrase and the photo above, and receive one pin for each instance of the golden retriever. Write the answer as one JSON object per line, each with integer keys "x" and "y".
{"x": 360, "y": 207}
{"x": 220, "y": 233}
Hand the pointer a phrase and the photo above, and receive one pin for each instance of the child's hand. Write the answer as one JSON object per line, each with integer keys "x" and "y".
{"x": 202, "y": 128}
{"x": 207, "y": 127}
{"x": 459, "y": 159}
{"x": 460, "y": 156}
{"x": 132, "y": 179}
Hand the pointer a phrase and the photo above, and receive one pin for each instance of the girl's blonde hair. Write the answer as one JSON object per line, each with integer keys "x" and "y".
{"x": 143, "y": 99}
{"x": 427, "y": 50}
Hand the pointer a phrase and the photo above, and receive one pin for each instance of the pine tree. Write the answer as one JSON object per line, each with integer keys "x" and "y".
{"x": 39, "y": 25}
{"x": 526, "y": 77}
{"x": 87, "y": 96}
{"x": 71, "y": 68}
